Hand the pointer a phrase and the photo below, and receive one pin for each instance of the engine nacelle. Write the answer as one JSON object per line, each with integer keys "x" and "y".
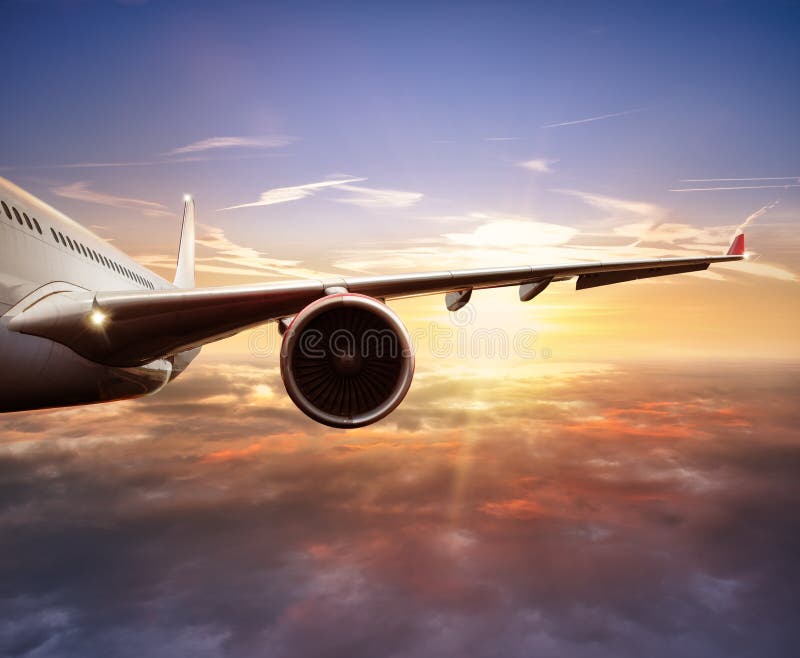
{"x": 347, "y": 360}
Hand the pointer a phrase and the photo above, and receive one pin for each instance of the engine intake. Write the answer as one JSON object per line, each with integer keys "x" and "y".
{"x": 346, "y": 360}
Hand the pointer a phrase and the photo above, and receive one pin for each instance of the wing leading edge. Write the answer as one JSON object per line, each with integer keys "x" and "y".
{"x": 139, "y": 327}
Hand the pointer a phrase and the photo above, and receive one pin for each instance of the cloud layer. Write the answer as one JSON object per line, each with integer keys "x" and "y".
{"x": 590, "y": 511}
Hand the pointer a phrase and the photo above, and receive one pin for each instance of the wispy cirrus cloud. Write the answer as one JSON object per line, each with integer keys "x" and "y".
{"x": 368, "y": 197}
{"x": 98, "y": 165}
{"x": 538, "y": 165}
{"x": 216, "y": 143}
{"x": 293, "y": 192}
{"x": 616, "y": 205}
{"x": 80, "y": 191}
{"x": 592, "y": 119}
{"x": 219, "y": 254}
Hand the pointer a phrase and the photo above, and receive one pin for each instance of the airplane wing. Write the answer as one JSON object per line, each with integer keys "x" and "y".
{"x": 136, "y": 327}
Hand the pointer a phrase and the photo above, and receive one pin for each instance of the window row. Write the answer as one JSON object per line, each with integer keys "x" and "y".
{"x": 30, "y": 221}
{"x": 76, "y": 246}
{"x": 79, "y": 248}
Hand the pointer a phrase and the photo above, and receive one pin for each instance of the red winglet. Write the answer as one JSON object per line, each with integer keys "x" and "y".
{"x": 737, "y": 246}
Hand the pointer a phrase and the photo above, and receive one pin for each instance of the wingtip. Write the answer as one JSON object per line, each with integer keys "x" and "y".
{"x": 737, "y": 246}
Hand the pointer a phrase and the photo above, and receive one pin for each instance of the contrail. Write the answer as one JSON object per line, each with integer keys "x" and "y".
{"x": 597, "y": 118}
{"x": 712, "y": 180}
{"x": 758, "y": 213}
{"x": 738, "y": 187}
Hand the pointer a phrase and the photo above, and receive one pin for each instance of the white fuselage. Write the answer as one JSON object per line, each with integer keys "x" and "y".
{"x": 41, "y": 248}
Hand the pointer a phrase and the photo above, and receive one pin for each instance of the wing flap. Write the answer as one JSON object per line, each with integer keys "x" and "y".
{"x": 593, "y": 280}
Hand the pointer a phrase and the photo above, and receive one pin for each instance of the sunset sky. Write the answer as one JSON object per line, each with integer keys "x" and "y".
{"x": 626, "y": 485}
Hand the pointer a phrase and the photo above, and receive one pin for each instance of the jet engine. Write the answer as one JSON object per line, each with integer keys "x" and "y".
{"x": 346, "y": 360}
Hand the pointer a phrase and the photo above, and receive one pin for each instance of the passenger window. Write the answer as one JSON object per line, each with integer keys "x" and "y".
{"x": 28, "y": 221}
{"x": 55, "y": 237}
{"x": 6, "y": 210}
{"x": 16, "y": 214}
{"x": 61, "y": 237}
{"x": 38, "y": 228}
{"x": 69, "y": 242}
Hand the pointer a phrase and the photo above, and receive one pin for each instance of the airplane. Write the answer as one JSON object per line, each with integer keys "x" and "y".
{"x": 84, "y": 323}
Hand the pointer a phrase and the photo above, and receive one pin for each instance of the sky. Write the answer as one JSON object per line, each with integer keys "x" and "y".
{"x": 615, "y": 477}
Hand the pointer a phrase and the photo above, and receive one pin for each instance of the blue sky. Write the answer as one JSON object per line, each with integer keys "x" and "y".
{"x": 406, "y": 95}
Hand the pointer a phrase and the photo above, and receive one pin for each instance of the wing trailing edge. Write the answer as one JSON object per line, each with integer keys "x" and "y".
{"x": 142, "y": 326}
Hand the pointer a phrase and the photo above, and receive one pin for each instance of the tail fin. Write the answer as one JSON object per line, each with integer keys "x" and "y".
{"x": 184, "y": 272}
